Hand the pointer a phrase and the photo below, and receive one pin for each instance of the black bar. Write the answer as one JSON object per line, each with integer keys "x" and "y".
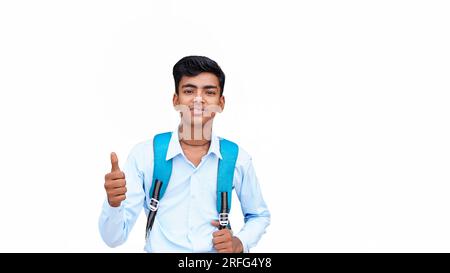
{"x": 254, "y": 262}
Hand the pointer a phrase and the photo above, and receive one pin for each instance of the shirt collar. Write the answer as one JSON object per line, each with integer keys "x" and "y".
{"x": 174, "y": 148}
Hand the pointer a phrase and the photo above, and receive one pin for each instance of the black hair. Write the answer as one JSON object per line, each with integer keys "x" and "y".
{"x": 193, "y": 65}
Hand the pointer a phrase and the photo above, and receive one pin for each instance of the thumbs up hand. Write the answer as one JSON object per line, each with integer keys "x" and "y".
{"x": 115, "y": 184}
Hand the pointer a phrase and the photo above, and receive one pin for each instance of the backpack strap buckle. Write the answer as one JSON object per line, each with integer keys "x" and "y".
{"x": 154, "y": 204}
{"x": 223, "y": 219}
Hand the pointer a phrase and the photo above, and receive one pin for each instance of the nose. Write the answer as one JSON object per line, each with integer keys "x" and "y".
{"x": 198, "y": 98}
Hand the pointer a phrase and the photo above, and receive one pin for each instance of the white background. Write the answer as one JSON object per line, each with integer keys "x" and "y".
{"x": 344, "y": 106}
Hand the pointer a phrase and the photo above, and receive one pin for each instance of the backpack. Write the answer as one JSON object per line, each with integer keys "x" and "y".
{"x": 162, "y": 170}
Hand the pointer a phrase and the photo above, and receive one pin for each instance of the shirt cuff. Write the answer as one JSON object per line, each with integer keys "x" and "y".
{"x": 112, "y": 211}
{"x": 243, "y": 241}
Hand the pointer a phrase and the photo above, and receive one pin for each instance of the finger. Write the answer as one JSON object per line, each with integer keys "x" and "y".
{"x": 215, "y": 223}
{"x": 118, "y": 183}
{"x": 115, "y": 175}
{"x": 118, "y": 198}
{"x": 219, "y": 239}
{"x": 118, "y": 191}
{"x": 222, "y": 246}
{"x": 217, "y": 233}
{"x": 112, "y": 184}
{"x": 114, "y": 162}
{"x": 221, "y": 232}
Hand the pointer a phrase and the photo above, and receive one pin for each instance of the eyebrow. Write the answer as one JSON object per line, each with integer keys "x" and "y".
{"x": 210, "y": 87}
{"x": 204, "y": 87}
{"x": 188, "y": 85}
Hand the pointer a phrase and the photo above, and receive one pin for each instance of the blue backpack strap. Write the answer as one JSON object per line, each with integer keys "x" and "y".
{"x": 229, "y": 151}
{"x": 162, "y": 170}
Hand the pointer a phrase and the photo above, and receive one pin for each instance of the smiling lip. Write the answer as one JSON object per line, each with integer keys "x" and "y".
{"x": 197, "y": 108}
{"x": 197, "y": 111}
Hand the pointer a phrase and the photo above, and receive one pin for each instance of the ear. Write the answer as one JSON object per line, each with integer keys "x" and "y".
{"x": 175, "y": 99}
{"x": 222, "y": 102}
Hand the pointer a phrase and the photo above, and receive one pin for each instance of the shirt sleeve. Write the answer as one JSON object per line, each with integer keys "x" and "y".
{"x": 256, "y": 213}
{"x": 115, "y": 223}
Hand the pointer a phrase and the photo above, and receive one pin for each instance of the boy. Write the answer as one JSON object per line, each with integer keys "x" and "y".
{"x": 187, "y": 217}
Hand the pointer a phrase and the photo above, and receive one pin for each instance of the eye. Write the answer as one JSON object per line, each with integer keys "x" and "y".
{"x": 210, "y": 92}
{"x": 188, "y": 91}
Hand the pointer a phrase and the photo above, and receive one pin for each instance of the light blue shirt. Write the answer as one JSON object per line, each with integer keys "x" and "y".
{"x": 183, "y": 221}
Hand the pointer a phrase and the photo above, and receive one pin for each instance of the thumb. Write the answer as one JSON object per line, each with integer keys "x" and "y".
{"x": 114, "y": 162}
{"x": 215, "y": 223}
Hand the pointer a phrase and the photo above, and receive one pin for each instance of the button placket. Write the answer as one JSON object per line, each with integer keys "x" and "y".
{"x": 192, "y": 207}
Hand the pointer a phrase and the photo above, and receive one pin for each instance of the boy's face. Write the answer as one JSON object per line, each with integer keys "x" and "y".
{"x": 198, "y": 98}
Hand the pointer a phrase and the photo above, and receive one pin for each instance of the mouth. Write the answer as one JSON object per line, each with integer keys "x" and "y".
{"x": 197, "y": 111}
